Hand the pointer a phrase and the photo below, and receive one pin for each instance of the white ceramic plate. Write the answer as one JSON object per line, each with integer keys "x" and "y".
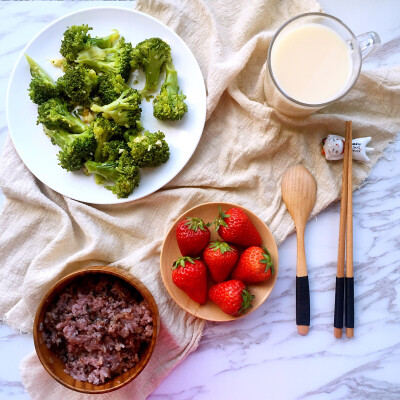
{"x": 35, "y": 148}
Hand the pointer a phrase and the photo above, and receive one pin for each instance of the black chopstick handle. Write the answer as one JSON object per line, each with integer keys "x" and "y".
{"x": 349, "y": 302}
{"x": 339, "y": 303}
{"x": 302, "y": 301}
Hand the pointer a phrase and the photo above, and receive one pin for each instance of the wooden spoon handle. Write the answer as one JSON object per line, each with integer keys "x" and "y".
{"x": 302, "y": 287}
{"x": 301, "y": 269}
{"x": 302, "y": 305}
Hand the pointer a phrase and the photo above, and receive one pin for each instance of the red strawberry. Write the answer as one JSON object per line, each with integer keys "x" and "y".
{"x": 231, "y": 296}
{"x": 220, "y": 258}
{"x": 192, "y": 235}
{"x": 255, "y": 265}
{"x": 190, "y": 275}
{"x": 235, "y": 227}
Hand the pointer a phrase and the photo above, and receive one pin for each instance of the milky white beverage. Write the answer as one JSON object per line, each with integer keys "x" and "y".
{"x": 311, "y": 63}
{"x": 313, "y": 60}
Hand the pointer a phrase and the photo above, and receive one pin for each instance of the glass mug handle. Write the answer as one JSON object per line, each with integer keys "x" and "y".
{"x": 368, "y": 42}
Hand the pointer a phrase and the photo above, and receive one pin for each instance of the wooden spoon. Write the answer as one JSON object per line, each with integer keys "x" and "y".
{"x": 298, "y": 192}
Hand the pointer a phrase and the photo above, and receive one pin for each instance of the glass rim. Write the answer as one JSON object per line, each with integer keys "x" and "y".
{"x": 310, "y": 105}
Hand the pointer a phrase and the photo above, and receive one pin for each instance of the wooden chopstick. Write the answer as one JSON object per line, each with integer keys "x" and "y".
{"x": 339, "y": 291}
{"x": 344, "y": 235}
{"x": 349, "y": 281}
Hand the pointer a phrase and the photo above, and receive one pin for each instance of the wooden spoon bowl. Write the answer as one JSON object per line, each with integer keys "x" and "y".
{"x": 170, "y": 252}
{"x": 55, "y": 366}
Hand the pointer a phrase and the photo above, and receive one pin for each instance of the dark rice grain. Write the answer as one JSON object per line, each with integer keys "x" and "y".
{"x": 99, "y": 327}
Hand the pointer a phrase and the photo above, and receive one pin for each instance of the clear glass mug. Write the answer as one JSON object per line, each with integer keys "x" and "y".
{"x": 359, "y": 47}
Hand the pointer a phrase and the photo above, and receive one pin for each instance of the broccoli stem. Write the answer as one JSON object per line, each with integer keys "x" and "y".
{"x": 37, "y": 71}
{"x": 62, "y": 138}
{"x": 42, "y": 86}
{"x": 106, "y": 41}
{"x": 77, "y": 125}
{"x": 153, "y": 70}
{"x": 171, "y": 79}
{"x": 99, "y": 149}
{"x": 169, "y": 104}
{"x": 124, "y": 110}
{"x": 106, "y": 169}
{"x": 121, "y": 103}
{"x": 93, "y": 57}
{"x": 99, "y": 179}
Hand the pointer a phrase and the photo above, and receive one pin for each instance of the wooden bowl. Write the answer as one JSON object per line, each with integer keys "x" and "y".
{"x": 53, "y": 364}
{"x": 170, "y": 252}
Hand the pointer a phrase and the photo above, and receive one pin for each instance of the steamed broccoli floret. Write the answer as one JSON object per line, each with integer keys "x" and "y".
{"x": 151, "y": 54}
{"x": 54, "y": 114}
{"x": 103, "y": 130}
{"x": 77, "y": 39}
{"x": 133, "y": 132}
{"x": 76, "y": 148}
{"x": 42, "y": 86}
{"x": 104, "y": 42}
{"x": 149, "y": 150}
{"x": 115, "y": 59}
{"x": 124, "y": 110}
{"x": 110, "y": 87}
{"x": 124, "y": 173}
{"x": 74, "y": 41}
{"x": 169, "y": 104}
{"x": 78, "y": 83}
{"x": 114, "y": 149}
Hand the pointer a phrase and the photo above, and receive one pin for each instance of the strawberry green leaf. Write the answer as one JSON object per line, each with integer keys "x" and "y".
{"x": 267, "y": 260}
{"x": 181, "y": 262}
{"x": 195, "y": 223}
{"x": 219, "y": 221}
{"x": 247, "y": 298}
{"x": 223, "y": 247}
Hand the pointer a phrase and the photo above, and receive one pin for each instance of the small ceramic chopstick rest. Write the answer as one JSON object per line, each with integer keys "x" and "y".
{"x": 333, "y": 148}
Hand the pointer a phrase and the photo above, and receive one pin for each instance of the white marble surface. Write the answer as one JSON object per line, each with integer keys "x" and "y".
{"x": 261, "y": 356}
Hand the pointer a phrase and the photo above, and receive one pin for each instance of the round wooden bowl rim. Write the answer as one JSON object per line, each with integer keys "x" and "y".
{"x": 273, "y": 251}
{"x": 132, "y": 281}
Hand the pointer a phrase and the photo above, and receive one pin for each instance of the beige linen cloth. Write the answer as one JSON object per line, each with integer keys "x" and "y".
{"x": 245, "y": 148}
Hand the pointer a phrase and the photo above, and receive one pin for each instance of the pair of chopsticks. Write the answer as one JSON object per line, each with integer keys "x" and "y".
{"x": 344, "y": 294}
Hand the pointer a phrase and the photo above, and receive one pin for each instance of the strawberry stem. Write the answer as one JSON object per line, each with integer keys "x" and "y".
{"x": 247, "y": 298}
{"x": 223, "y": 247}
{"x": 219, "y": 221}
{"x": 195, "y": 223}
{"x": 181, "y": 262}
{"x": 267, "y": 260}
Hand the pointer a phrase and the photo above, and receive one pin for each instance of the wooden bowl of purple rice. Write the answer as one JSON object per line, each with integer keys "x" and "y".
{"x": 96, "y": 329}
